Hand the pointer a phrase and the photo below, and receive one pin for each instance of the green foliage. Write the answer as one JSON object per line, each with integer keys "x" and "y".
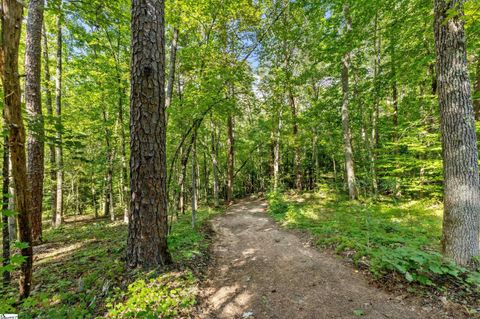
{"x": 80, "y": 273}
{"x": 385, "y": 236}
{"x": 165, "y": 296}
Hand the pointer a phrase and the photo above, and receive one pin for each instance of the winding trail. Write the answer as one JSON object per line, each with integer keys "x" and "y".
{"x": 263, "y": 271}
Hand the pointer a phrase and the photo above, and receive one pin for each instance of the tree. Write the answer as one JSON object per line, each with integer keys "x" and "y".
{"x": 33, "y": 98}
{"x": 347, "y": 134}
{"x": 147, "y": 228}
{"x": 58, "y": 217}
{"x": 11, "y": 30}
{"x": 461, "y": 221}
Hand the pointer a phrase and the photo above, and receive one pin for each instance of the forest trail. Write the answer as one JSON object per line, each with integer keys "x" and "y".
{"x": 263, "y": 271}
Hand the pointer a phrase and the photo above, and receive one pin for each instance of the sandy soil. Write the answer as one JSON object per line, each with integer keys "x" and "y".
{"x": 263, "y": 271}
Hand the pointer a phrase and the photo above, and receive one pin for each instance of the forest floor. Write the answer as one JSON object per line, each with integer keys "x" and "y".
{"x": 261, "y": 270}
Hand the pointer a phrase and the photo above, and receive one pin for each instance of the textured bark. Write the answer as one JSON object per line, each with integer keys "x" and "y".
{"x": 147, "y": 228}
{"x": 58, "y": 217}
{"x": 171, "y": 72}
{"x": 230, "y": 159}
{"x": 5, "y": 228}
{"x": 11, "y": 30}
{"x": 49, "y": 106}
{"x": 33, "y": 98}
{"x": 461, "y": 221}
{"x": 347, "y": 135}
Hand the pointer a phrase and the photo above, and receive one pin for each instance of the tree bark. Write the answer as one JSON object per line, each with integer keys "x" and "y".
{"x": 33, "y": 98}
{"x": 5, "y": 226}
{"x": 194, "y": 181}
{"x": 230, "y": 160}
{"x": 49, "y": 106}
{"x": 58, "y": 113}
{"x": 147, "y": 227}
{"x": 214, "y": 166}
{"x": 11, "y": 31}
{"x": 276, "y": 152}
{"x": 461, "y": 222}
{"x": 108, "y": 203}
{"x": 347, "y": 135}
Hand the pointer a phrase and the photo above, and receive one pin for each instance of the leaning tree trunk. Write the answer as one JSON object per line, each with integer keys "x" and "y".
{"x": 147, "y": 227}
{"x": 33, "y": 98}
{"x": 347, "y": 134}
{"x": 58, "y": 113}
{"x": 11, "y": 30}
{"x": 461, "y": 221}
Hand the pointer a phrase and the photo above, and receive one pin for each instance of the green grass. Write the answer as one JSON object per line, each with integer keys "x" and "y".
{"x": 385, "y": 236}
{"x": 80, "y": 273}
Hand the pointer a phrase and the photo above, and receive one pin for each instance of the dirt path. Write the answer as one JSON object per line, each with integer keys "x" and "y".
{"x": 263, "y": 271}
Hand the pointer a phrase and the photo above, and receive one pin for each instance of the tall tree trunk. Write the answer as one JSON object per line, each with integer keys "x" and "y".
{"x": 58, "y": 113}
{"x": 171, "y": 71}
{"x": 297, "y": 159}
{"x": 147, "y": 227}
{"x": 5, "y": 226}
{"x": 11, "y": 30}
{"x": 372, "y": 148}
{"x": 108, "y": 203}
{"x": 194, "y": 181}
{"x": 33, "y": 98}
{"x": 276, "y": 152}
{"x": 123, "y": 154}
{"x": 230, "y": 159}
{"x": 397, "y": 190}
{"x": 347, "y": 135}
{"x": 214, "y": 166}
{"x": 49, "y": 105}
{"x": 461, "y": 221}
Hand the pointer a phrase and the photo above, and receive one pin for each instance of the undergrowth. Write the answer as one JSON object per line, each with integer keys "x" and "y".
{"x": 80, "y": 273}
{"x": 384, "y": 237}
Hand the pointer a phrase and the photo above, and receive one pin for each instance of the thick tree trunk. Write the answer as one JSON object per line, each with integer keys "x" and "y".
{"x": 5, "y": 226}
{"x": 58, "y": 113}
{"x": 11, "y": 30}
{"x": 147, "y": 227}
{"x": 33, "y": 98}
{"x": 49, "y": 106}
{"x": 230, "y": 159}
{"x": 347, "y": 135}
{"x": 461, "y": 221}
